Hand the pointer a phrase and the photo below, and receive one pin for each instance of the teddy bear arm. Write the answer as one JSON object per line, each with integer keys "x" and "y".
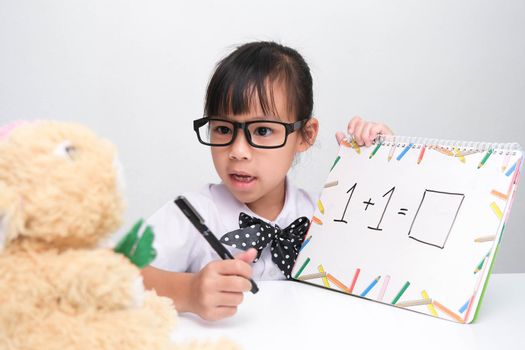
{"x": 100, "y": 279}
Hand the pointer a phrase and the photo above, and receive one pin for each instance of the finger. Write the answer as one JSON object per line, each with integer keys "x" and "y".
{"x": 218, "y": 313}
{"x": 233, "y": 284}
{"x": 225, "y": 311}
{"x": 233, "y": 267}
{"x": 358, "y": 133}
{"x": 230, "y": 299}
{"x": 353, "y": 124}
{"x": 237, "y": 284}
{"x": 365, "y": 134}
{"x": 247, "y": 256}
{"x": 339, "y": 136}
{"x": 382, "y": 129}
{"x": 376, "y": 130}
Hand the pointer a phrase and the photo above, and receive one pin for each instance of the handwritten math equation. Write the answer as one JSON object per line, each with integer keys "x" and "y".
{"x": 432, "y": 223}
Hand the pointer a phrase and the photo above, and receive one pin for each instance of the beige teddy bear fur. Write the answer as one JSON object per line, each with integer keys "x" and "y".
{"x": 59, "y": 197}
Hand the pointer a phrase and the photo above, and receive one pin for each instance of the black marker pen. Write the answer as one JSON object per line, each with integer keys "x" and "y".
{"x": 197, "y": 221}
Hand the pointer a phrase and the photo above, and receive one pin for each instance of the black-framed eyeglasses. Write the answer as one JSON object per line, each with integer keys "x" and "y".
{"x": 219, "y": 132}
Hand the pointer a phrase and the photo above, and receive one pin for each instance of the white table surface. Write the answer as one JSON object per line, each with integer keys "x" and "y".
{"x": 288, "y": 315}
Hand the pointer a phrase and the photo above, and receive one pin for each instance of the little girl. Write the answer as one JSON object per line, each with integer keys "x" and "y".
{"x": 258, "y": 117}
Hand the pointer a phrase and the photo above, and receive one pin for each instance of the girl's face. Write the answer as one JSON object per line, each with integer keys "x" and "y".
{"x": 256, "y": 176}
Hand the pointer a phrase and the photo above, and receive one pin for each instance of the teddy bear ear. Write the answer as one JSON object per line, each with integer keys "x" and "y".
{"x": 11, "y": 220}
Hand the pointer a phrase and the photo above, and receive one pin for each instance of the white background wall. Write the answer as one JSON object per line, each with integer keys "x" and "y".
{"x": 136, "y": 72}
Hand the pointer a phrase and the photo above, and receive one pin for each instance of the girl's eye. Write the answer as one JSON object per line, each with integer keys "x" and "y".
{"x": 223, "y": 130}
{"x": 263, "y": 131}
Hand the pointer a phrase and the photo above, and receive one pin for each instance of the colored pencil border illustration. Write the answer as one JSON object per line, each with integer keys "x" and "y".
{"x": 329, "y": 281}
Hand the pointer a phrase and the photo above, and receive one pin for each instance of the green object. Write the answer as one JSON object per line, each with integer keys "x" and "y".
{"x": 125, "y": 245}
{"x": 488, "y": 277}
{"x": 485, "y": 285}
{"x": 336, "y": 160}
{"x": 375, "y": 150}
{"x": 302, "y": 268}
{"x": 487, "y": 155}
{"x": 400, "y": 293}
{"x": 139, "y": 250}
{"x": 480, "y": 265}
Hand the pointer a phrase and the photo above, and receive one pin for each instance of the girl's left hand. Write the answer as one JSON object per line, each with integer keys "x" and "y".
{"x": 364, "y": 132}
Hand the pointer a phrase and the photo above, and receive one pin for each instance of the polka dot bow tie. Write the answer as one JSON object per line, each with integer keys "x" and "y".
{"x": 256, "y": 233}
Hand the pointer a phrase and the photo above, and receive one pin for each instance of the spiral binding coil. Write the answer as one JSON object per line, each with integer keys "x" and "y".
{"x": 451, "y": 145}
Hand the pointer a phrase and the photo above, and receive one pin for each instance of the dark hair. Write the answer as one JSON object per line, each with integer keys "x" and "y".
{"x": 251, "y": 69}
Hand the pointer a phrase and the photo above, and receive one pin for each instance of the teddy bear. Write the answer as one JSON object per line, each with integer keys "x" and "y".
{"x": 60, "y": 196}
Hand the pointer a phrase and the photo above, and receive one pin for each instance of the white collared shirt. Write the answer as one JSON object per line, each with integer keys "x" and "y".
{"x": 181, "y": 248}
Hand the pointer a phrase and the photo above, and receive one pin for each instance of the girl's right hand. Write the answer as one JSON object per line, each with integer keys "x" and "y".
{"x": 217, "y": 289}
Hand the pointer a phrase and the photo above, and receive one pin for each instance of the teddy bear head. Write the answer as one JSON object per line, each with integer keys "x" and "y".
{"x": 59, "y": 186}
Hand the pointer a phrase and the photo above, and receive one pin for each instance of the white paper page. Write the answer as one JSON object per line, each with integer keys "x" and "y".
{"x": 415, "y": 223}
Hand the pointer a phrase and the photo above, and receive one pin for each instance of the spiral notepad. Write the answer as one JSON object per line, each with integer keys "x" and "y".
{"x": 412, "y": 222}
